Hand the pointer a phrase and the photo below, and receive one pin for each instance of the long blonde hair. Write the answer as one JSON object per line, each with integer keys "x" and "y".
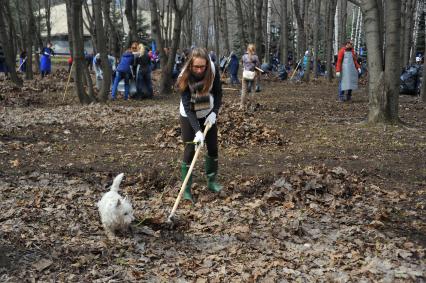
{"x": 183, "y": 79}
{"x": 251, "y": 50}
{"x": 141, "y": 49}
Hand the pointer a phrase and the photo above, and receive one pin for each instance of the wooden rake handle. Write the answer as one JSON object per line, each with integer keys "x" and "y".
{"x": 188, "y": 175}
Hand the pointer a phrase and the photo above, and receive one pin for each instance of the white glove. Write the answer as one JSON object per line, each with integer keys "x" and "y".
{"x": 199, "y": 139}
{"x": 359, "y": 70}
{"x": 338, "y": 74}
{"x": 210, "y": 119}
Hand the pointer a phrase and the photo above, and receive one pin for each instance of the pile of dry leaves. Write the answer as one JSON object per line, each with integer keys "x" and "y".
{"x": 311, "y": 224}
{"x": 236, "y": 128}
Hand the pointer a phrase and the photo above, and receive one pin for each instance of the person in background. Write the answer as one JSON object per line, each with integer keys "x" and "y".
{"x": 124, "y": 71}
{"x": 250, "y": 62}
{"x": 45, "y": 62}
{"x": 69, "y": 63}
{"x": 143, "y": 75}
{"x": 3, "y": 66}
{"x": 98, "y": 69}
{"x": 348, "y": 70}
{"x": 201, "y": 98}
{"x": 23, "y": 62}
{"x": 234, "y": 65}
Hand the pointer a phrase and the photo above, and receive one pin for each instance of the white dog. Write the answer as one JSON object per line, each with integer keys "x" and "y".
{"x": 116, "y": 212}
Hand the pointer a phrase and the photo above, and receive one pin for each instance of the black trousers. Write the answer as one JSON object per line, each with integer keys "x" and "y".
{"x": 188, "y": 135}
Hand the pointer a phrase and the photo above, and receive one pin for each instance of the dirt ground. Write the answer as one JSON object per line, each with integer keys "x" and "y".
{"x": 311, "y": 193}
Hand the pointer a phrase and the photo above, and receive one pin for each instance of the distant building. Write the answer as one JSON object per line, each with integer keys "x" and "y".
{"x": 59, "y": 29}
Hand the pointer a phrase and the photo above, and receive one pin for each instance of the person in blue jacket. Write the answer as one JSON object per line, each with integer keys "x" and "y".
{"x": 124, "y": 71}
{"x": 233, "y": 68}
{"x": 45, "y": 63}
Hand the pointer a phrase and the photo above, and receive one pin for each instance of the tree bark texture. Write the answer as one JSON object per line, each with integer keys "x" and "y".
{"x": 224, "y": 25}
{"x": 258, "y": 29}
{"x": 392, "y": 60}
{"x": 383, "y": 81}
{"x": 78, "y": 49}
{"x": 102, "y": 49}
{"x": 29, "y": 39}
{"x": 7, "y": 40}
{"x": 168, "y": 60}
{"x": 240, "y": 21}
{"x": 329, "y": 36}
{"x": 317, "y": 13}
{"x": 284, "y": 32}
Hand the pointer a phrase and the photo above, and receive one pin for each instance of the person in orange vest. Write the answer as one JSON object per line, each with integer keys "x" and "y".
{"x": 347, "y": 69}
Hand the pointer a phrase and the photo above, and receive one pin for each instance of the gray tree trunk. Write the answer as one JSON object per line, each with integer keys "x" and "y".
{"x": 7, "y": 33}
{"x": 131, "y": 20}
{"x": 240, "y": 21}
{"x": 258, "y": 28}
{"x": 75, "y": 7}
{"x": 224, "y": 25}
{"x": 284, "y": 32}
{"x": 392, "y": 60}
{"x": 47, "y": 19}
{"x": 317, "y": 13}
{"x": 407, "y": 32}
{"x": 102, "y": 49}
{"x": 301, "y": 36}
{"x": 329, "y": 37}
{"x": 168, "y": 60}
{"x": 342, "y": 22}
{"x": 423, "y": 91}
{"x": 216, "y": 26}
{"x": 383, "y": 81}
{"x": 29, "y": 39}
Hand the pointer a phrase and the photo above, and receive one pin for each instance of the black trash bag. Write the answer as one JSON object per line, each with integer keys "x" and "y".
{"x": 411, "y": 79}
{"x": 282, "y": 72}
{"x": 266, "y": 68}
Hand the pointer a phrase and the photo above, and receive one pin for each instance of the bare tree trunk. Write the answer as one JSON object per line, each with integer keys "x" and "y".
{"x": 131, "y": 21}
{"x": 249, "y": 21}
{"x": 78, "y": 49}
{"x": 90, "y": 25}
{"x": 301, "y": 36}
{"x": 7, "y": 32}
{"x": 423, "y": 90}
{"x": 19, "y": 15}
{"x": 383, "y": 81}
{"x": 101, "y": 43}
{"x": 392, "y": 60}
{"x": 342, "y": 22}
{"x": 329, "y": 36}
{"x": 47, "y": 18}
{"x": 29, "y": 40}
{"x": 224, "y": 25}
{"x": 402, "y": 21}
{"x": 187, "y": 27}
{"x": 317, "y": 9}
{"x": 417, "y": 12}
{"x": 284, "y": 32}
{"x": 258, "y": 28}
{"x": 240, "y": 21}
{"x": 407, "y": 32}
{"x": 167, "y": 61}
{"x": 216, "y": 26}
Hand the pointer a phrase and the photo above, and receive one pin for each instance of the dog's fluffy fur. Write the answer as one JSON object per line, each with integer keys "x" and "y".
{"x": 116, "y": 212}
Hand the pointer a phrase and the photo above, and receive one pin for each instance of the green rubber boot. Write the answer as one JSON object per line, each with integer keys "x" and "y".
{"x": 187, "y": 193}
{"x": 211, "y": 166}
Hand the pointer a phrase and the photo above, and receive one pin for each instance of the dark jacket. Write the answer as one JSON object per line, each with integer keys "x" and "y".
{"x": 233, "y": 64}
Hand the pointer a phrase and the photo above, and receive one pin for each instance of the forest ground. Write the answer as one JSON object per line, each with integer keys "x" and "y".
{"x": 311, "y": 192}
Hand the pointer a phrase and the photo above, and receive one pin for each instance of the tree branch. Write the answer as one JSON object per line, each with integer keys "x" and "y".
{"x": 355, "y": 2}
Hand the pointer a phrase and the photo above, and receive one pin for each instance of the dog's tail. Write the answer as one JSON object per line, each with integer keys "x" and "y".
{"x": 116, "y": 182}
